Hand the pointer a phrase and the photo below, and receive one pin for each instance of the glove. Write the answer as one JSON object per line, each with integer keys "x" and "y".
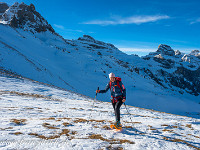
{"x": 97, "y": 91}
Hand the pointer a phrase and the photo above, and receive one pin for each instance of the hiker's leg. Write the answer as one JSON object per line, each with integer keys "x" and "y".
{"x": 113, "y": 105}
{"x": 117, "y": 110}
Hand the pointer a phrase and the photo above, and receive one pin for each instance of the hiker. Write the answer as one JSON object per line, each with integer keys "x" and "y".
{"x": 118, "y": 95}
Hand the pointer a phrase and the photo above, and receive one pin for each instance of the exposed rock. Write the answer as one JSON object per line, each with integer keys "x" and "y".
{"x": 3, "y": 8}
{"x": 195, "y": 52}
{"x": 177, "y": 52}
{"x": 159, "y": 56}
{"x": 95, "y": 43}
{"x": 26, "y": 17}
{"x": 165, "y": 50}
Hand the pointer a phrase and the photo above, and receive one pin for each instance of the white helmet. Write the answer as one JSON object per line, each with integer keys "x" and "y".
{"x": 111, "y": 75}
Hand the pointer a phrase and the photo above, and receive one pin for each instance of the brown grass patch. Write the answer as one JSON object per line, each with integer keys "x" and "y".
{"x": 167, "y": 130}
{"x": 45, "y": 137}
{"x": 93, "y": 120}
{"x": 74, "y": 132}
{"x": 6, "y": 128}
{"x": 111, "y": 141}
{"x": 64, "y": 118}
{"x": 32, "y": 95}
{"x": 80, "y": 120}
{"x": 50, "y": 118}
{"x": 128, "y": 127}
{"x": 189, "y": 126}
{"x": 64, "y": 131}
{"x": 174, "y": 126}
{"x": 165, "y": 125}
{"x": 47, "y": 125}
{"x": 19, "y": 121}
{"x": 181, "y": 141}
{"x": 29, "y": 108}
{"x": 106, "y": 127}
{"x": 16, "y": 133}
{"x": 66, "y": 124}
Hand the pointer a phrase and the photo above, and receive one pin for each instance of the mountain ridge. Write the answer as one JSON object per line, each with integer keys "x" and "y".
{"x": 83, "y": 64}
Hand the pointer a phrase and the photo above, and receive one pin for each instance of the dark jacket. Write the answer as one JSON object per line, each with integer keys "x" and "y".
{"x": 115, "y": 90}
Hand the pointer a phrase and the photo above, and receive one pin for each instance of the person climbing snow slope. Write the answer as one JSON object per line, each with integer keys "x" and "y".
{"x": 118, "y": 96}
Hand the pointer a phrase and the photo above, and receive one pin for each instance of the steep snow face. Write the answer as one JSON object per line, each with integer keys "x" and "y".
{"x": 48, "y": 58}
{"x": 84, "y": 64}
{"x": 25, "y": 17}
{"x": 37, "y": 116}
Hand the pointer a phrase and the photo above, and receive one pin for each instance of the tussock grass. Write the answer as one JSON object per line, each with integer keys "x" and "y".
{"x": 189, "y": 126}
{"x": 18, "y": 121}
{"x": 106, "y": 127}
{"x": 6, "y": 128}
{"x": 181, "y": 141}
{"x": 30, "y": 95}
{"x": 80, "y": 120}
{"x": 164, "y": 130}
{"x": 48, "y": 126}
{"x": 16, "y": 133}
{"x": 111, "y": 141}
{"x": 66, "y": 124}
{"x": 64, "y": 132}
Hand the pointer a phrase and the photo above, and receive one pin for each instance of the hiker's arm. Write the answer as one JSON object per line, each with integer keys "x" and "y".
{"x": 124, "y": 90}
{"x": 105, "y": 90}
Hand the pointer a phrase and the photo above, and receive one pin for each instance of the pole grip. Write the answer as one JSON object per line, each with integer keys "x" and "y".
{"x": 97, "y": 89}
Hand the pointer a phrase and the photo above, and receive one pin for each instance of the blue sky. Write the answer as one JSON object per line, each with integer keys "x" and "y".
{"x": 134, "y": 26}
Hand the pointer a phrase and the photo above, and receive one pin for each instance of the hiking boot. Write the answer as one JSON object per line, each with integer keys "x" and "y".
{"x": 118, "y": 124}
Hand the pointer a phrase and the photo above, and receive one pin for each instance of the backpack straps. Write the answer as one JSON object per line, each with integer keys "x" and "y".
{"x": 117, "y": 79}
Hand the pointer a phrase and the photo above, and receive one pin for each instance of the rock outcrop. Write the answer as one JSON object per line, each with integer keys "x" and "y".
{"x": 20, "y": 15}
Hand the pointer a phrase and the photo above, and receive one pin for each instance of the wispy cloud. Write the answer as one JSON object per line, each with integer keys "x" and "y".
{"x": 128, "y": 20}
{"x": 59, "y": 26}
{"x": 195, "y": 21}
{"x": 66, "y": 30}
{"x": 133, "y": 49}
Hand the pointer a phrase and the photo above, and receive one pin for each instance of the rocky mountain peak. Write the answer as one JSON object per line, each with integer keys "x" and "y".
{"x": 20, "y": 15}
{"x": 3, "y": 8}
{"x": 195, "y": 53}
{"x": 87, "y": 38}
{"x": 95, "y": 43}
{"x": 165, "y": 50}
{"x": 177, "y": 52}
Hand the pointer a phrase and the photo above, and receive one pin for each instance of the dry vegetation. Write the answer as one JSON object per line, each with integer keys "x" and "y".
{"x": 18, "y": 121}
{"x": 111, "y": 141}
{"x": 180, "y": 141}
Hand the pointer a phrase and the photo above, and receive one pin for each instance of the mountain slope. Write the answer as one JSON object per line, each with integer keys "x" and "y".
{"x": 39, "y": 116}
{"x": 84, "y": 64}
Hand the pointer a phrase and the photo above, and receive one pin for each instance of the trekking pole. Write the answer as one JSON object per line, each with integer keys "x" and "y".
{"x": 129, "y": 114}
{"x": 93, "y": 104}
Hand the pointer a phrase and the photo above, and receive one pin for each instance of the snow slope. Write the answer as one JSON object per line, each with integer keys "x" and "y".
{"x": 165, "y": 80}
{"x": 47, "y": 58}
{"x": 38, "y": 116}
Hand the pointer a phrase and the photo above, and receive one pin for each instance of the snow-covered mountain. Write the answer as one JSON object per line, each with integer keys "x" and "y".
{"x": 38, "y": 116}
{"x": 164, "y": 80}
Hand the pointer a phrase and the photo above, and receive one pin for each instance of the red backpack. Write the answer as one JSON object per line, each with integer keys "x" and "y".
{"x": 118, "y": 79}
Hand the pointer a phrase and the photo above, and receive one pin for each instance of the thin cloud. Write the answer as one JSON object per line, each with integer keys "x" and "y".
{"x": 196, "y": 21}
{"x": 59, "y": 26}
{"x": 67, "y": 30}
{"x": 132, "y": 49}
{"x": 128, "y": 20}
